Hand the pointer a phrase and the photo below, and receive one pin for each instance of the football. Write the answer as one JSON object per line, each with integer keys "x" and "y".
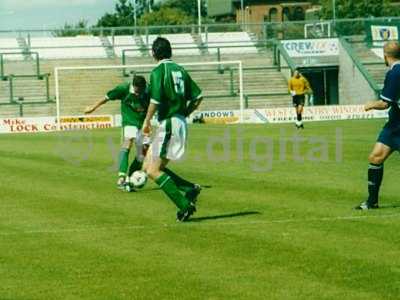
{"x": 138, "y": 179}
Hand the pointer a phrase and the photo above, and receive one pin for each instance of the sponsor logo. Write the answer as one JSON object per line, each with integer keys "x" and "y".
{"x": 318, "y": 47}
{"x": 44, "y": 124}
{"x": 85, "y": 119}
{"x": 382, "y": 33}
{"x": 385, "y": 34}
{"x": 219, "y": 117}
{"x": 217, "y": 114}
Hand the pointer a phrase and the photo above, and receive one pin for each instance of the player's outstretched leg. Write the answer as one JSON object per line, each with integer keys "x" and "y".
{"x": 181, "y": 183}
{"x": 142, "y": 146}
{"x": 154, "y": 167}
{"x": 136, "y": 165}
{"x": 123, "y": 166}
{"x": 191, "y": 190}
{"x": 375, "y": 175}
{"x": 124, "y": 162}
{"x": 169, "y": 187}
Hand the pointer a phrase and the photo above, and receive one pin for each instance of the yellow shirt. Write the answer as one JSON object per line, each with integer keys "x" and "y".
{"x": 299, "y": 85}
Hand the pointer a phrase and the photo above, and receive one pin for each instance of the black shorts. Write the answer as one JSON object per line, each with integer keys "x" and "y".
{"x": 299, "y": 100}
{"x": 390, "y": 137}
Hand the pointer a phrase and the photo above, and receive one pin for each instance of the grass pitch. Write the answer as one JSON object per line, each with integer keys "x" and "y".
{"x": 276, "y": 221}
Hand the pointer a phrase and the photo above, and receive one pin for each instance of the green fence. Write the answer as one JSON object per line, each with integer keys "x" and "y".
{"x": 263, "y": 31}
{"x": 11, "y": 80}
{"x": 27, "y": 54}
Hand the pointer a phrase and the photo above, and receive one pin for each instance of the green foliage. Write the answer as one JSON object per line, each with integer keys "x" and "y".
{"x": 350, "y": 9}
{"x": 165, "y": 16}
{"x": 190, "y": 7}
{"x": 123, "y": 15}
{"x": 357, "y": 8}
{"x": 171, "y": 12}
{"x": 72, "y": 29}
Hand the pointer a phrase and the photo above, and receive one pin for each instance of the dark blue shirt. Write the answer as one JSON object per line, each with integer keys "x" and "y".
{"x": 391, "y": 95}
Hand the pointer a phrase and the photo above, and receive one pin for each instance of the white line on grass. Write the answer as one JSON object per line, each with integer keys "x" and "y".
{"x": 210, "y": 223}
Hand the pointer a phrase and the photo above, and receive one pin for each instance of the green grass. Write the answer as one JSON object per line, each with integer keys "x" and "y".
{"x": 288, "y": 233}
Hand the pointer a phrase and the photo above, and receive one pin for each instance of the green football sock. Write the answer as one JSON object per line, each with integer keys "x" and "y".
{"x": 123, "y": 161}
{"x": 136, "y": 165}
{"x": 171, "y": 190}
{"x": 181, "y": 183}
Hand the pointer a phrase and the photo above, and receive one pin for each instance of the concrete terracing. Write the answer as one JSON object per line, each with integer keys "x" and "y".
{"x": 81, "y": 88}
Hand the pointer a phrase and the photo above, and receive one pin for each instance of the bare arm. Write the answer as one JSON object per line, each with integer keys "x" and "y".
{"x": 378, "y": 105}
{"x": 150, "y": 114}
{"x": 90, "y": 109}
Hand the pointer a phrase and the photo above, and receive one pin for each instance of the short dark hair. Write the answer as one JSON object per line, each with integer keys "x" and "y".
{"x": 139, "y": 81}
{"x": 161, "y": 48}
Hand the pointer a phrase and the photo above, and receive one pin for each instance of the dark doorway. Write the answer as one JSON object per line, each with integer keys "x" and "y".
{"x": 273, "y": 15}
{"x": 324, "y": 82}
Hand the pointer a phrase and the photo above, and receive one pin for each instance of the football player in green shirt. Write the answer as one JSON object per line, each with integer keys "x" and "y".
{"x": 174, "y": 96}
{"x": 134, "y": 99}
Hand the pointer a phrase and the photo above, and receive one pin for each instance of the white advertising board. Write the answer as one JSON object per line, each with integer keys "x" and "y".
{"x": 312, "y": 47}
{"x": 288, "y": 114}
{"x": 250, "y": 116}
{"x": 47, "y": 124}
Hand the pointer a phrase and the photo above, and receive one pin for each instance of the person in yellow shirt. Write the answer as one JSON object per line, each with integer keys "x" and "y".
{"x": 298, "y": 88}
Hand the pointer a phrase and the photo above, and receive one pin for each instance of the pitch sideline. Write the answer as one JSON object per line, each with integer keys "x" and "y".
{"x": 199, "y": 224}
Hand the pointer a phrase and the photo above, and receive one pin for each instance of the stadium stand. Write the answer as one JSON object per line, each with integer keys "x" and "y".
{"x": 123, "y": 42}
{"x": 264, "y": 85}
{"x": 237, "y": 42}
{"x": 8, "y": 45}
{"x": 28, "y": 110}
{"x": 216, "y": 89}
{"x": 378, "y": 52}
{"x": 68, "y": 47}
{"x": 30, "y": 89}
{"x": 178, "y": 41}
{"x": 19, "y": 67}
{"x": 4, "y": 91}
{"x": 373, "y": 63}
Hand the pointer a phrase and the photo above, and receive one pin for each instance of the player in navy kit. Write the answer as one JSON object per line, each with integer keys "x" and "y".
{"x": 389, "y": 138}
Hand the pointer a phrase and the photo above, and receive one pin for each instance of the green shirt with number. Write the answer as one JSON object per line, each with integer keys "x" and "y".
{"x": 133, "y": 107}
{"x": 172, "y": 88}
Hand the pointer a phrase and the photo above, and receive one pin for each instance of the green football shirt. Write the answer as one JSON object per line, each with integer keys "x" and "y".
{"x": 171, "y": 87}
{"x": 133, "y": 107}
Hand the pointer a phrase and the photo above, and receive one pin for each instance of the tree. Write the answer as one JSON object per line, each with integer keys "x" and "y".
{"x": 190, "y": 7}
{"x": 350, "y": 9}
{"x": 356, "y": 8}
{"x": 72, "y": 29}
{"x": 165, "y": 16}
{"x": 170, "y": 12}
{"x": 124, "y": 14}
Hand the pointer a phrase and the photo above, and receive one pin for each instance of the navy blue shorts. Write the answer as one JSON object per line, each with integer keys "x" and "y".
{"x": 390, "y": 137}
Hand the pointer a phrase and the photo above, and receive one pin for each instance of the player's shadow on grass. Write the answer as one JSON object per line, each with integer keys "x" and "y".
{"x": 159, "y": 189}
{"x": 225, "y": 216}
